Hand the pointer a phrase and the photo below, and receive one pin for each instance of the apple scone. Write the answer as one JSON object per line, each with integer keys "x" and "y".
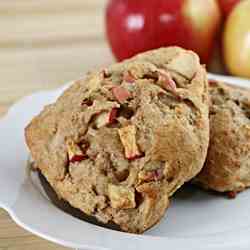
{"x": 120, "y": 142}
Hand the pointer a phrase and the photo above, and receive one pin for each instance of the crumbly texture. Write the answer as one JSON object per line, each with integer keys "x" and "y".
{"x": 227, "y": 166}
{"x": 120, "y": 142}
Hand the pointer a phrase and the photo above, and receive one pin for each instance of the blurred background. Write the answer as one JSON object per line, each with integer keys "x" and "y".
{"x": 45, "y": 43}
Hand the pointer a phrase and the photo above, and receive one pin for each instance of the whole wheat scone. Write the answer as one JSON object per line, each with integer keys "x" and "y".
{"x": 119, "y": 143}
{"x": 227, "y": 166}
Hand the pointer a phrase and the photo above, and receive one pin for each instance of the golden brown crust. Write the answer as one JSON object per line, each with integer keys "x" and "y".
{"x": 136, "y": 139}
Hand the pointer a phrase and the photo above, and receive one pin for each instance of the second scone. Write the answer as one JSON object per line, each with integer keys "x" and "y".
{"x": 119, "y": 143}
{"x": 227, "y": 166}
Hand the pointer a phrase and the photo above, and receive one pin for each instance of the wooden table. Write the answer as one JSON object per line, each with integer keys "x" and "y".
{"x": 43, "y": 44}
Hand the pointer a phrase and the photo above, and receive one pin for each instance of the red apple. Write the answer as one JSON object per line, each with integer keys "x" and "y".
{"x": 227, "y": 6}
{"x": 137, "y": 26}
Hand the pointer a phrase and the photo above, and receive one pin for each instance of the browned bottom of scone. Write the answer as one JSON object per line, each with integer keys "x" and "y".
{"x": 67, "y": 208}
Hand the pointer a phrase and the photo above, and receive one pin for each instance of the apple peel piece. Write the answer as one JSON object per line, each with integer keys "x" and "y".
{"x": 121, "y": 94}
{"x": 128, "y": 139}
{"x": 152, "y": 175}
{"x": 75, "y": 153}
{"x": 166, "y": 81}
{"x": 231, "y": 194}
{"x": 106, "y": 117}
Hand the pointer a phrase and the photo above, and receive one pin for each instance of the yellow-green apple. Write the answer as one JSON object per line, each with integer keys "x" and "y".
{"x": 236, "y": 40}
{"x": 136, "y": 26}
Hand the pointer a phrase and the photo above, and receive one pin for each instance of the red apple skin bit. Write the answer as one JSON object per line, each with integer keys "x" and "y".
{"x": 231, "y": 194}
{"x": 169, "y": 83}
{"x": 121, "y": 94}
{"x": 154, "y": 175}
{"x": 158, "y": 174}
{"x": 134, "y": 157}
{"x": 78, "y": 158}
{"x": 113, "y": 115}
{"x": 212, "y": 82}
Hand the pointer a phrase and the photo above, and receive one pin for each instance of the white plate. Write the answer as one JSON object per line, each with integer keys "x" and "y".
{"x": 197, "y": 221}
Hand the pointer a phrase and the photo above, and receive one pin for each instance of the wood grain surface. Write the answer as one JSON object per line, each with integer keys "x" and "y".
{"x": 43, "y": 44}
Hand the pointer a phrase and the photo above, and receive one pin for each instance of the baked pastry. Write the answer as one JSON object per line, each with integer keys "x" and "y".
{"x": 119, "y": 143}
{"x": 227, "y": 167}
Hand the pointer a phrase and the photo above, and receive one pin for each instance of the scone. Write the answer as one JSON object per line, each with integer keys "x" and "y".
{"x": 227, "y": 166}
{"x": 119, "y": 143}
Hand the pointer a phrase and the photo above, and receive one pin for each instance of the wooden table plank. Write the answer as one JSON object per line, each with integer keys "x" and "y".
{"x": 50, "y": 27}
{"x": 40, "y": 69}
